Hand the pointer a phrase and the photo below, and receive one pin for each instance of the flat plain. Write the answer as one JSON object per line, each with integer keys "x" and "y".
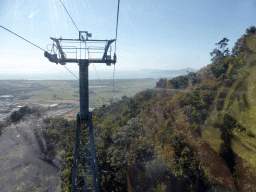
{"x": 61, "y": 97}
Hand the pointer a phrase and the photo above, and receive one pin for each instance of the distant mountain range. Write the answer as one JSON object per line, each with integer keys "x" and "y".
{"x": 107, "y": 74}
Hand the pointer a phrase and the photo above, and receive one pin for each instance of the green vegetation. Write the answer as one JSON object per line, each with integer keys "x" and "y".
{"x": 199, "y": 137}
{"x": 17, "y": 116}
{"x": 216, "y": 115}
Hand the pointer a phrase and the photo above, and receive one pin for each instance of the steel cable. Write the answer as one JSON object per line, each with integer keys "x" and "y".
{"x": 69, "y": 15}
{"x": 71, "y": 72}
{"x": 22, "y": 38}
{"x": 117, "y": 22}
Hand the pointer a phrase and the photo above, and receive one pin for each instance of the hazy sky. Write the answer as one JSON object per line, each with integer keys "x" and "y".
{"x": 152, "y": 34}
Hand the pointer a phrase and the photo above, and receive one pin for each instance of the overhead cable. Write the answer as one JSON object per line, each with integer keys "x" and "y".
{"x": 114, "y": 81}
{"x": 117, "y": 16}
{"x": 70, "y": 72}
{"x": 97, "y": 74}
{"x": 89, "y": 57}
{"x": 98, "y": 78}
{"x": 117, "y": 22}
{"x": 22, "y": 38}
{"x": 69, "y": 15}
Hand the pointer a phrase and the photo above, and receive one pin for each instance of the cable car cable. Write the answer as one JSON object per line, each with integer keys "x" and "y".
{"x": 115, "y": 47}
{"x": 114, "y": 81}
{"x": 71, "y": 72}
{"x": 34, "y": 45}
{"x": 23, "y": 38}
{"x": 97, "y": 75}
{"x": 69, "y": 15}
{"x": 117, "y": 22}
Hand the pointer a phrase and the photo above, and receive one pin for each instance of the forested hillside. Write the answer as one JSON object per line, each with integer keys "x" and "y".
{"x": 191, "y": 133}
{"x": 201, "y": 136}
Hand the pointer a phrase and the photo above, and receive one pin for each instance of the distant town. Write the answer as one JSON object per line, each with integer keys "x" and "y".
{"x": 7, "y": 106}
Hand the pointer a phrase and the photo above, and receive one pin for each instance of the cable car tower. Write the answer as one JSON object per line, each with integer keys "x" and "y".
{"x": 83, "y": 51}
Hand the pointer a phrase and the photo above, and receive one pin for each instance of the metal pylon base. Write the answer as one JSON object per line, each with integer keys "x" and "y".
{"x": 85, "y": 169}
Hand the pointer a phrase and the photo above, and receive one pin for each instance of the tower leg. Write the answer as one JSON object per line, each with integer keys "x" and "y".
{"x": 76, "y": 155}
{"x": 85, "y": 161}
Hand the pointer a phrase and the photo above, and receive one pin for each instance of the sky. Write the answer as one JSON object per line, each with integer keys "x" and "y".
{"x": 152, "y": 34}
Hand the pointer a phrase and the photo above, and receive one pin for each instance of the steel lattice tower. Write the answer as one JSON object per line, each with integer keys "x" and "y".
{"x": 85, "y": 169}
